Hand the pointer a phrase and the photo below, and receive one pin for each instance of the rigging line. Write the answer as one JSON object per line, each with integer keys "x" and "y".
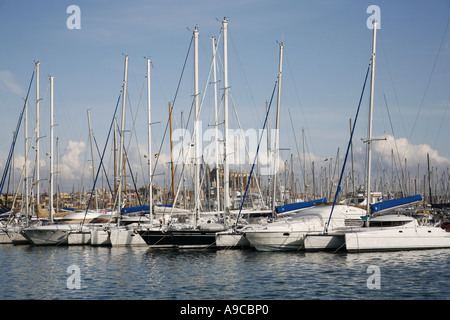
{"x": 101, "y": 159}
{"x": 442, "y": 121}
{"x": 296, "y": 145}
{"x": 393, "y": 87}
{"x": 297, "y": 94}
{"x": 338, "y": 188}
{"x": 104, "y": 170}
{"x": 134, "y": 125}
{"x": 193, "y": 135}
{"x": 245, "y": 143}
{"x": 11, "y": 216}
{"x": 173, "y": 103}
{"x": 11, "y": 150}
{"x": 256, "y": 155}
{"x": 194, "y": 132}
{"x": 429, "y": 79}
{"x": 396, "y": 146}
{"x": 241, "y": 68}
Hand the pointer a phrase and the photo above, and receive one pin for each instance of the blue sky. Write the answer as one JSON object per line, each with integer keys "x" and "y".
{"x": 327, "y": 50}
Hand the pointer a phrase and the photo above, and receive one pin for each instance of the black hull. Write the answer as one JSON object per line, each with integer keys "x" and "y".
{"x": 193, "y": 239}
{"x": 183, "y": 239}
{"x": 158, "y": 238}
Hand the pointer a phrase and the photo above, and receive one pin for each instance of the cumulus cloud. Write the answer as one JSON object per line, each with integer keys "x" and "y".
{"x": 70, "y": 165}
{"x": 414, "y": 154}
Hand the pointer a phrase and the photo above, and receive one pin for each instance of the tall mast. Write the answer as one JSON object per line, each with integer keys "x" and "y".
{"x": 50, "y": 209}
{"x": 369, "y": 139}
{"x": 116, "y": 172}
{"x": 197, "y": 134}
{"x": 26, "y": 158}
{"x": 37, "y": 135}
{"x": 226, "y": 174}
{"x": 277, "y": 129}
{"x": 150, "y": 177}
{"x": 216, "y": 125}
{"x": 92, "y": 155}
{"x": 122, "y": 138}
{"x": 171, "y": 155}
{"x": 182, "y": 156}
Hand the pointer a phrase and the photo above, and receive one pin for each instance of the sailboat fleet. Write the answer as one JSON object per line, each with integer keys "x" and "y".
{"x": 307, "y": 225}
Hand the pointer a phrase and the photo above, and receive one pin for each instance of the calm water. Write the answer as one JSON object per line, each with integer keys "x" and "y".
{"x": 140, "y": 273}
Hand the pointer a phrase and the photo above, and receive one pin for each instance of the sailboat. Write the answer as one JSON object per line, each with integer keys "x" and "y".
{"x": 52, "y": 234}
{"x": 201, "y": 232}
{"x": 384, "y": 232}
{"x": 128, "y": 235}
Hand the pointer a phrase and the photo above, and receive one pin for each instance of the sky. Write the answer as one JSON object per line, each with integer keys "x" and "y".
{"x": 327, "y": 50}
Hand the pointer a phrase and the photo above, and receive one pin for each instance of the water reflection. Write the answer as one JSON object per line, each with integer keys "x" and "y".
{"x": 142, "y": 273}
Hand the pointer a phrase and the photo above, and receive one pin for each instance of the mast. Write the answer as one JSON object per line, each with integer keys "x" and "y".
{"x": 369, "y": 140}
{"x": 226, "y": 173}
{"x": 122, "y": 139}
{"x": 171, "y": 155}
{"x": 92, "y": 155}
{"x": 26, "y": 158}
{"x": 50, "y": 209}
{"x": 182, "y": 156}
{"x": 216, "y": 125}
{"x": 197, "y": 134}
{"x": 150, "y": 177}
{"x": 37, "y": 135}
{"x": 277, "y": 129}
{"x": 116, "y": 172}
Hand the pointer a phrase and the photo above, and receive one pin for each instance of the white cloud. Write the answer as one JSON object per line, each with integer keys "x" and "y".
{"x": 70, "y": 166}
{"x": 8, "y": 83}
{"x": 414, "y": 154}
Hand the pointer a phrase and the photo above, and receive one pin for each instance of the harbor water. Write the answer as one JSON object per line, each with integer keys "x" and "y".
{"x": 143, "y": 273}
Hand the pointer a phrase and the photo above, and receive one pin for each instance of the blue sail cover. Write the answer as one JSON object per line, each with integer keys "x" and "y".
{"x": 389, "y": 204}
{"x": 299, "y": 205}
{"x": 142, "y": 208}
{"x": 134, "y": 209}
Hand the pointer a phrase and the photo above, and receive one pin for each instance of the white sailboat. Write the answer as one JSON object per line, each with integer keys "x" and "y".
{"x": 52, "y": 234}
{"x": 128, "y": 235}
{"x": 200, "y": 232}
{"x": 383, "y": 232}
{"x": 235, "y": 236}
{"x": 289, "y": 233}
{"x": 396, "y": 232}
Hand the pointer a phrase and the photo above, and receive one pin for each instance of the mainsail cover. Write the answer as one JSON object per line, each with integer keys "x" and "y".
{"x": 394, "y": 203}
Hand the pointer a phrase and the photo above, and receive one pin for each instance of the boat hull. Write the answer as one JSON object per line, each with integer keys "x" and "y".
{"x": 319, "y": 242}
{"x": 125, "y": 237}
{"x": 397, "y": 239}
{"x": 276, "y": 240}
{"x": 193, "y": 239}
{"x": 82, "y": 237}
{"x": 4, "y": 238}
{"x": 100, "y": 237}
{"x": 50, "y": 235}
{"x": 157, "y": 238}
{"x": 16, "y": 237}
{"x": 231, "y": 239}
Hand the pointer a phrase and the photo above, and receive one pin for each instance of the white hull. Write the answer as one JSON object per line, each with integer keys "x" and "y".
{"x": 276, "y": 241}
{"x": 318, "y": 242}
{"x": 49, "y": 235}
{"x": 125, "y": 237}
{"x": 391, "y": 239}
{"x": 16, "y": 237}
{"x": 231, "y": 239}
{"x": 100, "y": 237}
{"x": 4, "y": 238}
{"x": 289, "y": 234}
{"x": 81, "y": 237}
